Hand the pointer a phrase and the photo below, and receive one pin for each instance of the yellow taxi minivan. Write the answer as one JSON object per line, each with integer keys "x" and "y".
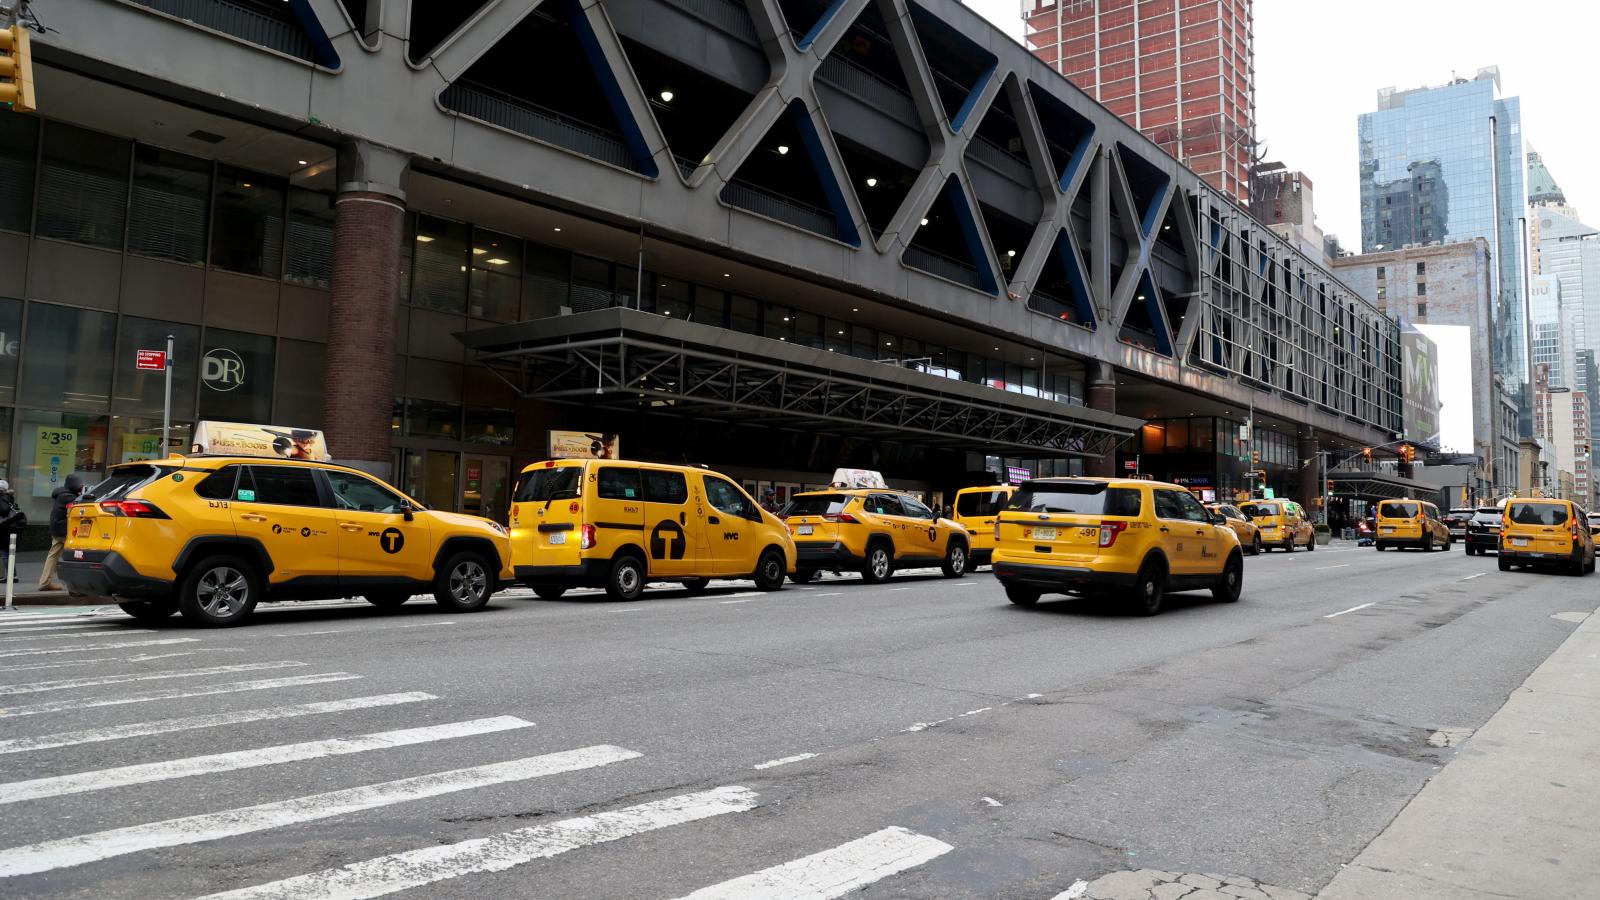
{"x": 1282, "y": 524}
{"x": 1410, "y": 523}
{"x": 1129, "y": 538}
{"x": 1545, "y": 530}
{"x": 873, "y": 531}
{"x": 975, "y": 510}
{"x": 621, "y": 524}
{"x": 211, "y": 536}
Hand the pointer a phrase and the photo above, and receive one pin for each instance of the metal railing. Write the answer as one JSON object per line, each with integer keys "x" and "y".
{"x": 535, "y": 121}
{"x": 867, "y": 86}
{"x": 240, "y": 21}
{"x": 942, "y": 266}
{"x": 1001, "y": 160}
{"x": 724, "y": 14}
{"x": 784, "y": 209}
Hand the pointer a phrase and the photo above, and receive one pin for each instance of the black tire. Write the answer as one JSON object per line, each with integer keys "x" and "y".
{"x": 626, "y": 579}
{"x": 219, "y": 591}
{"x": 1505, "y": 564}
{"x": 1448, "y": 541}
{"x": 1427, "y": 542}
{"x": 803, "y": 576}
{"x": 464, "y": 583}
{"x": 1230, "y": 584}
{"x": 1379, "y": 545}
{"x": 1288, "y": 544}
{"x": 696, "y": 585}
{"x": 879, "y": 565}
{"x": 549, "y": 591}
{"x": 1311, "y": 544}
{"x": 1150, "y": 587}
{"x": 955, "y": 560}
{"x": 1021, "y": 595}
{"x": 149, "y": 610}
{"x": 387, "y": 599}
{"x": 769, "y": 571}
{"x": 1255, "y": 545}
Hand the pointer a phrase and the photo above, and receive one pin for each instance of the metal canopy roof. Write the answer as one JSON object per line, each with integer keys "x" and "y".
{"x": 1381, "y": 486}
{"x": 628, "y": 360}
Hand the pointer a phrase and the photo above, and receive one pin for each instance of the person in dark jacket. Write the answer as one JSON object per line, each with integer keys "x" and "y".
{"x": 60, "y": 499}
{"x": 11, "y": 522}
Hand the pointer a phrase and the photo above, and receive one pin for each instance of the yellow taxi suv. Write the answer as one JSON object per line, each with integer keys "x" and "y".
{"x": 1131, "y": 539}
{"x": 620, "y": 525}
{"x": 1245, "y": 530}
{"x": 976, "y": 510}
{"x": 1282, "y": 524}
{"x": 213, "y": 536}
{"x": 1410, "y": 523}
{"x": 873, "y": 531}
{"x": 1546, "y": 531}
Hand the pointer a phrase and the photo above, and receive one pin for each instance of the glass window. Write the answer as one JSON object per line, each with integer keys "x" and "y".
{"x": 280, "y": 485}
{"x": 352, "y": 491}
{"x": 628, "y": 286}
{"x": 1089, "y": 498}
{"x": 744, "y": 315}
{"x": 915, "y": 509}
{"x": 724, "y": 497}
{"x": 19, "y": 142}
{"x": 673, "y": 298}
{"x": 142, "y": 391}
{"x": 51, "y": 446}
{"x": 219, "y": 484}
{"x": 1178, "y": 434}
{"x": 1169, "y": 505}
{"x": 591, "y": 284}
{"x": 83, "y": 186}
{"x": 664, "y": 487}
{"x": 619, "y": 483}
{"x": 135, "y": 438}
{"x": 236, "y": 376}
{"x": 310, "y": 239}
{"x": 432, "y": 418}
{"x": 883, "y": 505}
{"x": 1201, "y": 435}
{"x": 439, "y": 266}
{"x": 69, "y": 357}
{"x": 247, "y": 227}
{"x": 544, "y": 289}
{"x": 836, "y": 336}
{"x": 710, "y": 307}
{"x": 301, "y": 383}
{"x": 778, "y": 323}
{"x": 817, "y": 505}
{"x": 495, "y": 291}
{"x": 10, "y": 348}
{"x": 981, "y": 503}
{"x": 171, "y": 193}
{"x": 1153, "y": 438}
{"x": 808, "y": 330}
{"x": 1192, "y": 510}
{"x": 490, "y": 426}
{"x": 547, "y": 484}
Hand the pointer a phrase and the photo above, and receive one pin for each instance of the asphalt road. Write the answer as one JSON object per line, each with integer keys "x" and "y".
{"x": 925, "y": 736}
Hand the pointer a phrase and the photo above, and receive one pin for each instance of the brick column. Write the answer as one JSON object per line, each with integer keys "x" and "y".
{"x": 1102, "y": 395}
{"x": 369, "y": 224}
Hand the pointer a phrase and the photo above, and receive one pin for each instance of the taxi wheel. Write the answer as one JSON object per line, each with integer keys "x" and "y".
{"x": 879, "y": 566}
{"x": 1255, "y": 546}
{"x": 387, "y": 600}
{"x": 1022, "y": 596}
{"x": 1149, "y": 588}
{"x": 1505, "y": 564}
{"x": 463, "y": 583}
{"x": 150, "y": 610}
{"x": 219, "y": 591}
{"x": 549, "y": 591}
{"x": 1311, "y": 544}
{"x": 1288, "y": 544}
{"x": 696, "y": 585}
{"x": 769, "y": 571}
{"x": 626, "y": 579}
{"x": 803, "y": 576}
{"x": 1427, "y": 542}
{"x": 1230, "y": 584}
{"x": 955, "y": 560}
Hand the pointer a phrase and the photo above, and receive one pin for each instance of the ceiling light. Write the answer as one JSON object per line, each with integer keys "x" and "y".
{"x": 558, "y": 228}
{"x": 783, "y": 149}
{"x": 872, "y": 182}
{"x": 1166, "y": 228}
{"x": 726, "y": 275}
{"x": 496, "y": 261}
{"x": 1011, "y": 253}
{"x": 666, "y": 96}
{"x": 841, "y": 331}
{"x": 424, "y": 238}
{"x": 245, "y": 184}
{"x": 463, "y": 268}
{"x": 1140, "y": 297}
{"x": 301, "y": 162}
{"x": 855, "y": 309}
{"x": 924, "y": 221}
{"x": 888, "y": 343}
{"x": 478, "y": 251}
{"x": 786, "y": 318}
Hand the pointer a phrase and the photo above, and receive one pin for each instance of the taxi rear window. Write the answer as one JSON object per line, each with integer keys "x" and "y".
{"x": 547, "y": 484}
{"x": 980, "y": 503}
{"x": 124, "y": 479}
{"x": 1260, "y": 510}
{"x": 817, "y": 505}
{"x": 1538, "y": 513}
{"x": 1085, "y": 499}
{"x": 1397, "y": 510}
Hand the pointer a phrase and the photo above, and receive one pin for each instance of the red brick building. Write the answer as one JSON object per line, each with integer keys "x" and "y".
{"x": 1181, "y": 71}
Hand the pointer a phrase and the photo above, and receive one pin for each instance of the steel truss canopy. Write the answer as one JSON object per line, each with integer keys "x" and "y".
{"x": 636, "y": 362}
{"x": 1380, "y": 486}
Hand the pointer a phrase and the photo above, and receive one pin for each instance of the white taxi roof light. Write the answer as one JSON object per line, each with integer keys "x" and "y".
{"x": 269, "y": 441}
{"x": 858, "y": 478}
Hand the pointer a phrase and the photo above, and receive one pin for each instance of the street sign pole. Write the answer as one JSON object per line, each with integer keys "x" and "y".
{"x": 166, "y": 408}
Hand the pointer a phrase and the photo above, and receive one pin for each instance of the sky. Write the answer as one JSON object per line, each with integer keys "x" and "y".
{"x": 1319, "y": 65}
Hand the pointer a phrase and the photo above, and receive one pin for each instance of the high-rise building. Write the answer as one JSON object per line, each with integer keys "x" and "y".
{"x": 1281, "y": 198}
{"x": 1445, "y": 163}
{"x": 1551, "y": 328}
{"x": 1180, "y": 71}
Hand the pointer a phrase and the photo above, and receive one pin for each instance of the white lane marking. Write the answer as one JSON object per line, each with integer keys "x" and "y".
{"x": 745, "y": 600}
{"x": 87, "y": 848}
{"x": 1339, "y": 566}
{"x": 627, "y": 609}
{"x": 146, "y": 657}
{"x": 231, "y": 687}
{"x": 98, "y": 647}
{"x": 1470, "y": 577}
{"x": 65, "y": 683}
{"x": 774, "y": 763}
{"x": 112, "y": 632}
{"x": 189, "y": 723}
{"x": 1078, "y": 889}
{"x": 39, "y": 627}
{"x": 830, "y": 594}
{"x": 892, "y": 590}
{"x": 300, "y": 634}
{"x": 165, "y": 770}
{"x": 990, "y": 801}
{"x": 417, "y": 625}
{"x": 1350, "y": 610}
{"x": 58, "y": 665}
{"x": 430, "y": 865}
{"x": 833, "y": 872}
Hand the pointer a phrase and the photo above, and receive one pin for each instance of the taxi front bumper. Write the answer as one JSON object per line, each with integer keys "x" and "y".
{"x": 100, "y": 573}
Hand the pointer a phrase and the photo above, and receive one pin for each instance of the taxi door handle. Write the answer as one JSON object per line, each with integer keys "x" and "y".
{"x": 683, "y": 518}
{"x": 713, "y": 520}
{"x": 350, "y": 526}
{"x": 1165, "y": 529}
{"x": 252, "y": 517}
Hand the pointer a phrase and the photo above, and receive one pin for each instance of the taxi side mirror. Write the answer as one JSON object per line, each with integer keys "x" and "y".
{"x": 406, "y": 511}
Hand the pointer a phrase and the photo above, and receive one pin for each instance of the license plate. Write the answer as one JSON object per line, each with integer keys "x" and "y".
{"x": 84, "y": 525}
{"x": 1388, "y": 529}
{"x": 558, "y": 537}
{"x": 1044, "y": 534}
{"x": 803, "y": 529}
{"x": 1519, "y": 542}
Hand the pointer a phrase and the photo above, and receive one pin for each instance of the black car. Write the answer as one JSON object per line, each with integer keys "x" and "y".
{"x": 1483, "y": 532}
{"x": 1456, "y": 522}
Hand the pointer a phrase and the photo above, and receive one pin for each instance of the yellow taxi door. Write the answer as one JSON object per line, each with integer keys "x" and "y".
{"x": 733, "y": 528}
{"x": 614, "y": 505}
{"x": 280, "y": 507}
{"x": 674, "y": 529}
{"x": 375, "y": 540}
{"x": 1181, "y": 537}
{"x": 1208, "y": 540}
{"x": 922, "y": 524}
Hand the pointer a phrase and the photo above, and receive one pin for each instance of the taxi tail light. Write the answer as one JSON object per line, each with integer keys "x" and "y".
{"x": 841, "y": 519}
{"x": 586, "y": 537}
{"x": 131, "y": 509}
{"x": 1109, "y": 532}
{"x": 997, "y": 529}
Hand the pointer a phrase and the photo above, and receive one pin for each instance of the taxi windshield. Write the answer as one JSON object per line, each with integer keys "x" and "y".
{"x": 1397, "y": 510}
{"x": 1538, "y": 513}
{"x": 1260, "y": 510}
{"x": 547, "y": 484}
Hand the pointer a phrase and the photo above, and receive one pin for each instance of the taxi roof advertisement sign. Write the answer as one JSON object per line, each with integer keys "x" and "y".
{"x": 859, "y": 478}
{"x": 583, "y": 445}
{"x": 273, "y": 441}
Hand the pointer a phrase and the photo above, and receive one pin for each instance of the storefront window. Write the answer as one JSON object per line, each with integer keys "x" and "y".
{"x": 83, "y": 186}
{"x": 236, "y": 376}
{"x": 301, "y": 382}
{"x": 496, "y": 289}
{"x": 247, "y": 235}
{"x": 142, "y": 391}
{"x": 19, "y": 141}
{"x": 135, "y": 438}
{"x": 167, "y": 218}
{"x": 1177, "y": 435}
{"x": 490, "y": 426}
{"x": 1153, "y": 438}
{"x": 1201, "y": 435}
{"x": 431, "y": 418}
{"x": 10, "y": 348}
{"x": 310, "y": 242}
{"x": 439, "y": 272}
{"x": 51, "y": 446}
{"x": 68, "y": 361}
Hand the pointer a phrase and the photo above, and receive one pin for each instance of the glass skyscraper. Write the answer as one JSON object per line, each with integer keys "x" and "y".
{"x": 1446, "y": 163}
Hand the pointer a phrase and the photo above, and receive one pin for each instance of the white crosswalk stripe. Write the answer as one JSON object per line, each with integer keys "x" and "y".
{"x": 96, "y": 648}
{"x": 428, "y": 865}
{"x": 74, "y": 635}
{"x": 47, "y": 627}
{"x": 97, "y": 681}
{"x": 835, "y": 872}
{"x": 213, "y": 720}
{"x": 76, "y": 851}
{"x": 123, "y": 776}
{"x": 266, "y": 684}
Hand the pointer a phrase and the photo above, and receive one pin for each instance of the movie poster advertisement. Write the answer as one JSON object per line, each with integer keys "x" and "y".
{"x": 583, "y": 445}
{"x": 237, "y": 439}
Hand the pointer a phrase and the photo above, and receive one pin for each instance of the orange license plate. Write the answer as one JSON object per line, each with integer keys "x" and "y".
{"x": 83, "y": 527}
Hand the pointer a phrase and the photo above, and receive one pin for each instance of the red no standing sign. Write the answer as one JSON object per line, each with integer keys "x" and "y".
{"x": 150, "y": 359}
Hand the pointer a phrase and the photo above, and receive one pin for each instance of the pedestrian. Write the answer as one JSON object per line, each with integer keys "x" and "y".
{"x": 61, "y": 498}
{"x": 12, "y": 521}
{"x": 769, "y": 500}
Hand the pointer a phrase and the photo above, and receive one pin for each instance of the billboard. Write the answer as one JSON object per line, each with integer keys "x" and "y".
{"x": 583, "y": 445}
{"x": 1419, "y": 388}
{"x": 1458, "y": 423}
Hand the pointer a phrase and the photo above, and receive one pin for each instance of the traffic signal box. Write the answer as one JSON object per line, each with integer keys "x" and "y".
{"x": 16, "y": 70}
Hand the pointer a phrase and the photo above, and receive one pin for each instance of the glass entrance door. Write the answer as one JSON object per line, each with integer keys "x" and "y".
{"x": 486, "y": 486}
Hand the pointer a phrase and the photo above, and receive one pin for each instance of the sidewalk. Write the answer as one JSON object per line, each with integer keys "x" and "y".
{"x": 29, "y": 565}
{"x": 1515, "y": 815}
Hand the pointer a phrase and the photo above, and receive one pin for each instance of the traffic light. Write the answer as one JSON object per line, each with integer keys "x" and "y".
{"x": 16, "y": 70}
{"x": 1366, "y": 454}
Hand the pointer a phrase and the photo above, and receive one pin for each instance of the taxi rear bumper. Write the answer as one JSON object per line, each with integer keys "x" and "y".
{"x": 824, "y": 555}
{"x": 1060, "y": 578}
{"x": 102, "y": 573}
{"x": 587, "y": 573}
